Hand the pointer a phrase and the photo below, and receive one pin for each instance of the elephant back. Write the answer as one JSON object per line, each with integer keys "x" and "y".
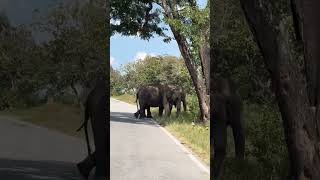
{"x": 150, "y": 95}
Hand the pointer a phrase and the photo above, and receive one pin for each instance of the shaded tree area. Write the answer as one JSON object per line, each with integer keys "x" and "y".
{"x": 296, "y": 81}
{"x": 255, "y": 43}
{"x": 66, "y": 64}
{"x": 236, "y": 56}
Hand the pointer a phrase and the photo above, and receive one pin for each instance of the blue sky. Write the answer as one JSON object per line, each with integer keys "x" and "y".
{"x": 125, "y": 49}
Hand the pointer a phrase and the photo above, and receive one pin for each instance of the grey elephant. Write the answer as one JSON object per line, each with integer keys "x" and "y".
{"x": 175, "y": 97}
{"x": 151, "y": 96}
{"x": 96, "y": 110}
{"x": 162, "y": 96}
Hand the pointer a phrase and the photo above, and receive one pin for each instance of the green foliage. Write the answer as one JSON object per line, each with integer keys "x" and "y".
{"x": 136, "y": 18}
{"x": 193, "y": 106}
{"x": 237, "y": 55}
{"x": 266, "y": 136}
{"x": 76, "y": 54}
{"x": 116, "y": 82}
{"x": 153, "y": 70}
{"x": 192, "y": 23}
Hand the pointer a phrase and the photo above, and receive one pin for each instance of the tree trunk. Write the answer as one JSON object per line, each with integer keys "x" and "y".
{"x": 307, "y": 26}
{"x": 299, "y": 118}
{"x": 199, "y": 84}
{"x": 205, "y": 61}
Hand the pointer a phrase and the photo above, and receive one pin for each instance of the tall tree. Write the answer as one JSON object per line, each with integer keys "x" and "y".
{"x": 189, "y": 26}
{"x": 295, "y": 86}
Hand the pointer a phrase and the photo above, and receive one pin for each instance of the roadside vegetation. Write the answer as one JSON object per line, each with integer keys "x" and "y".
{"x": 65, "y": 118}
{"x": 237, "y": 56}
{"x": 46, "y": 82}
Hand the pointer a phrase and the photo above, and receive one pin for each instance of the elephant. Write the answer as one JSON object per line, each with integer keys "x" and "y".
{"x": 96, "y": 110}
{"x": 226, "y": 111}
{"x": 175, "y": 97}
{"x": 151, "y": 96}
{"x": 162, "y": 96}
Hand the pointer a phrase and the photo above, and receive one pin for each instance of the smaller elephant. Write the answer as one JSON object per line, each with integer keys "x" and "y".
{"x": 175, "y": 97}
{"x": 152, "y": 96}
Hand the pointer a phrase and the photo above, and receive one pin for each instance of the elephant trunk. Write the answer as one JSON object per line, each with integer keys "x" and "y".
{"x": 137, "y": 97}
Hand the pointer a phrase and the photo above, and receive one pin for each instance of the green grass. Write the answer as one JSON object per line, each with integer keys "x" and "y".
{"x": 126, "y": 98}
{"x": 194, "y": 136}
{"x": 60, "y": 117}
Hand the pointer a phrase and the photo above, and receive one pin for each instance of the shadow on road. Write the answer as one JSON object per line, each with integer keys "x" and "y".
{"x": 37, "y": 170}
{"x": 129, "y": 118}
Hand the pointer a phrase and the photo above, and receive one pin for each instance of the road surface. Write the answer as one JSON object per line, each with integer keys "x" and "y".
{"x": 141, "y": 150}
{"x": 29, "y": 152}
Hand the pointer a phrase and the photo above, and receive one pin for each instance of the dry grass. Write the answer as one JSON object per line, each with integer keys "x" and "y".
{"x": 126, "y": 98}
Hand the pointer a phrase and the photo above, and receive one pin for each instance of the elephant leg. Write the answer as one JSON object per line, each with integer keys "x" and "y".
{"x": 136, "y": 114}
{"x": 219, "y": 133}
{"x": 99, "y": 129}
{"x": 170, "y": 109}
{"x": 220, "y": 145}
{"x": 149, "y": 112}
{"x": 237, "y": 128}
{"x": 142, "y": 112}
{"x": 178, "y": 107}
{"x": 160, "y": 111}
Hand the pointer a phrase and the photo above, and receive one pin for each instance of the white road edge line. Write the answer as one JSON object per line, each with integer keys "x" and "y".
{"x": 177, "y": 142}
{"x": 184, "y": 149}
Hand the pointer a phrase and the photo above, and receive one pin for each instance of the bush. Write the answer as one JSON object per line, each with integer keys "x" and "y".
{"x": 193, "y": 106}
{"x": 266, "y": 136}
{"x": 266, "y": 152}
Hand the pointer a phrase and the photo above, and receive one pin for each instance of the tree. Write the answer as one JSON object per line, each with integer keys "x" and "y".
{"x": 189, "y": 26}
{"x": 154, "y": 70}
{"x": 76, "y": 52}
{"x": 295, "y": 82}
{"x": 135, "y": 17}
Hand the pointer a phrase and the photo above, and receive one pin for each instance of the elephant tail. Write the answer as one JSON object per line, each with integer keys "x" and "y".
{"x": 85, "y": 125}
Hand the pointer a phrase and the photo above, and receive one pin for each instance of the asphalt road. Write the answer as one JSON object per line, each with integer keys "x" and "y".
{"x": 29, "y": 152}
{"x": 141, "y": 150}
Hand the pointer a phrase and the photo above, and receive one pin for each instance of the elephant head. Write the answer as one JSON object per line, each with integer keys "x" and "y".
{"x": 175, "y": 97}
